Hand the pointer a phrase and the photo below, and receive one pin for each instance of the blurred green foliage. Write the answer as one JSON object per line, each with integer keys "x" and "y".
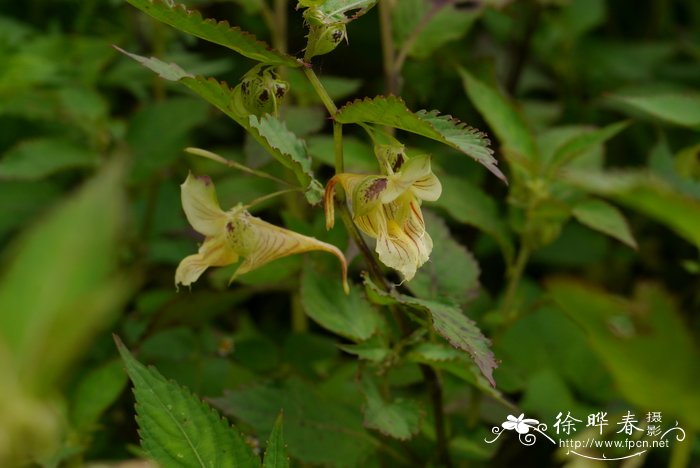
{"x": 582, "y": 272}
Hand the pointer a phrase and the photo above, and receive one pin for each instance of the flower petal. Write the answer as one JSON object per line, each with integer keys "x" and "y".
{"x": 373, "y": 223}
{"x": 201, "y": 205}
{"x": 215, "y": 251}
{"x": 349, "y": 182}
{"x": 508, "y": 425}
{"x": 415, "y": 175}
{"x": 396, "y": 251}
{"x": 368, "y": 194}
{"x": 427, "y": 188}
{"x": 415, "y": 168}
{"x": 522, "y": 428}
{"x": 261, "y": 242}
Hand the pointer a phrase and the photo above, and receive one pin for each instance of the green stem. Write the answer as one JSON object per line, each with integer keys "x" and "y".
{"x": 508, "y": 307}
{"x": 435, "y": 386}
{"x": 280, "y": 31}
{"x": 272, "y": 195}
{"x": 220, "y": 159}
{"x": 321, "y": 91}
{"x": 300, "y": 323}
{"x": 338, "y": 147}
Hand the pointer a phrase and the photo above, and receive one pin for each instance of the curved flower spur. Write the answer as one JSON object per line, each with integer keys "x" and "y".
{"x": 387, "y": 207}
{"x": 234, "y": 234}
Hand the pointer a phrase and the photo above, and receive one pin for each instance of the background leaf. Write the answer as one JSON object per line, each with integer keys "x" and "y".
{"x": 317, "y": 429}
{"x": 508, "y": 125}
{"x": 399, "y": 418}
{"x": 325, "y": 302}
{"x": 648, "y": 194}
{"x": 676, "y": 107}
{"x": 177, "y": 428}
{"x": 604, "y": 217}
{"x": 642, "y": 342}
{"x": 452, "y": 274}
{"x": 275, "y": 453}
{"x": 467, "y": 204}
{"x": 41, "y": 335}
{"x": 36, "y": 159}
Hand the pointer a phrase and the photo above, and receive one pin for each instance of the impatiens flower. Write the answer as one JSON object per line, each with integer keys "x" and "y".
{"x": 522, "y": 426}
{"x": 387, "y": 208}
{"x": 235, "y": 234}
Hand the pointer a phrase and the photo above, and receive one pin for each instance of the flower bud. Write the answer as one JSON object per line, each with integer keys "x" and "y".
{"x": 323, "y": 39}
{"x": 262, "y": 91}
{"x": 324, "y": 36}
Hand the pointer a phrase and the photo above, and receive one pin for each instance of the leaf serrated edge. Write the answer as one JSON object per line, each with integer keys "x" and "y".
{"x": 421, "y": 418}
{"x": 186, "y": 392}
{"x": 224, "y": 25}
{"x": 489, "y": 161}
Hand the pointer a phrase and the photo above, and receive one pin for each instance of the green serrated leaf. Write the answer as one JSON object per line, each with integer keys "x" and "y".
{"x": 168, "y": 71}
{"x": 443, "y": 357}
{"x": 325, "y": 302}
{"x": 392, "y": 111}
{"x": 435, "y": 352}
{"x": 318, "y": 429}
{"x": 400, "y": 419}
{"x": 449, "y": 321}
{"x": 218, "y": 32}
{"x": 178, "y": 429}
{"x": 341, "y": 11}
{"x": 373, "y": 349}
{"x": 276, "y": 453}
{"x": 291, "y": 149}
{"x": 508, "y": 125}
{"x": 269, "y": 131}
{"x": 452, "y": 275}
{"x": 604, "y": 217}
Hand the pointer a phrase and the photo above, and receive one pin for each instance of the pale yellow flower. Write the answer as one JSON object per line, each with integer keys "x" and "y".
{"x": 235, "y": 234}
{"x": 387, "y": 208}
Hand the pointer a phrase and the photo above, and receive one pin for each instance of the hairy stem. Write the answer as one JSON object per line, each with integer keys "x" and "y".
{"x": 321, "y": 91}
